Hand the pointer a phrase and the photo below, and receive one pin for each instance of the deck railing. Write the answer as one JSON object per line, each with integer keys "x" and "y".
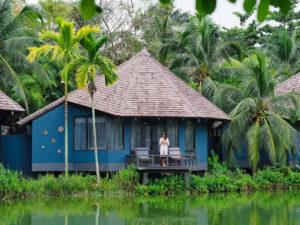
{"x": 180, "y": 162}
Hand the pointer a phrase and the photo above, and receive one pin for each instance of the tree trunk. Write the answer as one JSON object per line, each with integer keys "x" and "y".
{"x": 66, "y": 132}
{"x": 200, "y": 87}
{"x": 95, "y": 140}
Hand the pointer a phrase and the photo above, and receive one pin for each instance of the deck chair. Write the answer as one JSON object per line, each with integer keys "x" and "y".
{"x": 175, "y": 156}
{"x": 142, "y": 156}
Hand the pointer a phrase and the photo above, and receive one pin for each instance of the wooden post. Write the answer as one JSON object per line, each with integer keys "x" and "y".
{"x": 145, "y": 178}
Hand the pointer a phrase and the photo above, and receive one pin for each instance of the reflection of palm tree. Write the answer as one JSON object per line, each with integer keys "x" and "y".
{"x": 97, "y": 215}
{"x": 66, "y": 218}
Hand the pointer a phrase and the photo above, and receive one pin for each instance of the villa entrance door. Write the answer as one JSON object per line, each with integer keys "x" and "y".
{"x": 147, "y": 132}
{"x": 152, "y": 133}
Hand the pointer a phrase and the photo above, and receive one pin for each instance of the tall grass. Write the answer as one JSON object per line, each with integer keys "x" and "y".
{"x": 219, "y": 179}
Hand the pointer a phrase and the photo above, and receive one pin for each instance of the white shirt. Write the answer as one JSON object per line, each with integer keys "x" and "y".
{"x": 164, "y": 144}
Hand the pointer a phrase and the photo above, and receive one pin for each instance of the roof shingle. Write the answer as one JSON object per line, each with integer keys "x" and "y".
{"x": 7, "y": 104}
{"x": 292, "y": 84}
{"x": 145, "y": 89}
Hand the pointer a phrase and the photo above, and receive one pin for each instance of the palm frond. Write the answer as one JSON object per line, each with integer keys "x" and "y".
{"x": 50, "y": 36}
{"x": 287, "y": 105}
{"x": 268, "y": 142}
{"x": 5, "y": 13}
{"x": 246, "y": 105}
{"x": 227, "y": 97}
{"x": 253, "y": 144}
{"x": 44, "y": 50}
{"x": 29, "y": 16}
{"x": 107, "y": 68}
{"x": 85, "y": 31}
{"x": 19, "y": 43}
{"x": 9, "y": 79}
{"x": 82, "y": 76}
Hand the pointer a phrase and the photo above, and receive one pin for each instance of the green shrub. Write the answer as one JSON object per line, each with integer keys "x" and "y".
{"x": 292, "y": 180}
{"x": 142, "y": 189}
{"x": 215, "y": 166}
{"x": 127, "y": 179}
{"x": 269, "y": 177}
{"x": 243, "y": 181}
{"x": 219, "y": 183}
{"x": 198, "y": 185}
{"x": 168, "y": 185}
{"x": 10, "y": 183}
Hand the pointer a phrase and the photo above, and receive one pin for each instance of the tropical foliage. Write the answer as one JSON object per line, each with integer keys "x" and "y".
{"x": 17, "y": 32}
{"x": 199, "y": 53}
{"x": 258, "y": 116}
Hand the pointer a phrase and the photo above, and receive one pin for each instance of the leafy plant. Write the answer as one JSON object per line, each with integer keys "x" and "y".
{"x": 127, "y": 179}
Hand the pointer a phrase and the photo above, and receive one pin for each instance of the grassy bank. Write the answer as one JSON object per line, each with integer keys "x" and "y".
{"x": 218, "y": 179}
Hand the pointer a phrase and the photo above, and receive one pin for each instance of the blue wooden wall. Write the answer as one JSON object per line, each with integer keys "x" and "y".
{"x": 15, "y": 152}
{"x": 295, "y": 159}
{"x": 201, "y": 139}
{"x": 48, "y": 155}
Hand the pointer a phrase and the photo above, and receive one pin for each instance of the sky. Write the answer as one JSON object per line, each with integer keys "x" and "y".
{"x": 222, "y": 16}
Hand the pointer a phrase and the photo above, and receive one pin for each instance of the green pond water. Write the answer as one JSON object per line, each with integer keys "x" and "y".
{"x": 255, "y": 209}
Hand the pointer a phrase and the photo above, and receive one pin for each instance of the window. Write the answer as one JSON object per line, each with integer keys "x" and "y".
{"x": 110, "y": 133}
{"x": 190, "y": 137}
{"x": 80, "y": 138}
{"x": 138, "y": 136}
{"x": 172, "y": 131}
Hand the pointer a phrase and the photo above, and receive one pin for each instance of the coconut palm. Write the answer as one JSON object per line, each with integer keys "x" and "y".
{"x": 16, "y": 34}
{"x": 259, "y": 118}
{"x": 62, "y": 46}
{"x": 88, "y": 68}
{"x": 284, "y": 50}
{"x": 199, "y": 52}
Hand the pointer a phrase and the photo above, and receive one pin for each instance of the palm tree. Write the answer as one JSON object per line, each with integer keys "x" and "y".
{"x": 199, "y": 53}
{"x": 63, "y": 46}
{"x": 88, "y": 67}
{"x": 17, "y": 33}
{"x": 259, "y": 118}
{"x": 284, "y": 50}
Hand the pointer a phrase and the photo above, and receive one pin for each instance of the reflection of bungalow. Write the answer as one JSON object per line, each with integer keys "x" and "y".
{"x": 146, "y": 100}
{"x": 10, "y": 144}
{"x": 292, "y": 84}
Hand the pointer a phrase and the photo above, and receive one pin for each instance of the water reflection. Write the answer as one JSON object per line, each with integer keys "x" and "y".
{"x": 257, "y": 209}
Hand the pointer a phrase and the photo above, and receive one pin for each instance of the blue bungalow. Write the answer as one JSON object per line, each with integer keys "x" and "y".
{"x": 10, "y": 112}
{"x": 131, "y": 114}
{"x": 292, "y": 84}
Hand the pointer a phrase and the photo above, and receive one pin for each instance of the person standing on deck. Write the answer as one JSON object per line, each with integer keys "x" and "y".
{"x": 164, "y": 145}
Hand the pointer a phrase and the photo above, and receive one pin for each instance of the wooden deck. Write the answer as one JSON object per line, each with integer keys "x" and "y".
{"x": 173, "y": 164}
